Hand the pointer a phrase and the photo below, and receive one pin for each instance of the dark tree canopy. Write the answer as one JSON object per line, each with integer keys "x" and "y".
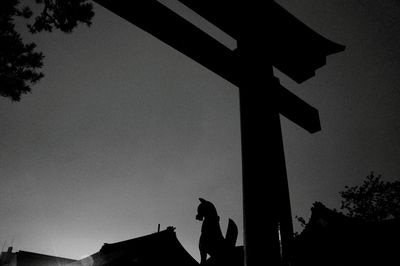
{"x": 373, "y": 200}
{"x": 20, "y": 63}
{"x": 62, "y": 14}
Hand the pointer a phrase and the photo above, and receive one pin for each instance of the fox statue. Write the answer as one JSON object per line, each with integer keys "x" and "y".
{"x": 212, "y": 242}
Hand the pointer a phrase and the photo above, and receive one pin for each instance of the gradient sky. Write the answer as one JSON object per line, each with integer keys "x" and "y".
{"x": 124, "y": 132}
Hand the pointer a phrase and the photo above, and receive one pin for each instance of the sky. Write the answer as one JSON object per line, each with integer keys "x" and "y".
{"x": 124, "y": 133}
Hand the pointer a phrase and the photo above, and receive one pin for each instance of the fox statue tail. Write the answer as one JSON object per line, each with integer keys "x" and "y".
{"x": 231, "y": 233}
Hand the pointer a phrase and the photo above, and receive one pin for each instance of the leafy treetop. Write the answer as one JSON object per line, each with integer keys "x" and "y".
{"x": 373, "y": 200}
{"x": 20, "y": 63}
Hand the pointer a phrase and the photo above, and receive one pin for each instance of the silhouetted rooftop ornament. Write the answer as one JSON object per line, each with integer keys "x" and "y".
{"x": 162, "y": 248}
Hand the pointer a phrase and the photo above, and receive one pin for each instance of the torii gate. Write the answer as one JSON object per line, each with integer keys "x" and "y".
{"x": 267, "y": 35}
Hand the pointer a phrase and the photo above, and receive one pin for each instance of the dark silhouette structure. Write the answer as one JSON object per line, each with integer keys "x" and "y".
{"x": 332, "y": 239}
{"x": 212, "y": 242}
{"x": 267, "y": 36}
{"x": 25, "y": 258}
{"x": 161, "y": 248}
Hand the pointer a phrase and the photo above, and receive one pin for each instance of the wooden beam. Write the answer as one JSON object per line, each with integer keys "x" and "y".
{"x": 222, "y": 13}
{"x": 167, "y": 26}
{"x": 295, "y": 49}
{"x": 297, "y": 110}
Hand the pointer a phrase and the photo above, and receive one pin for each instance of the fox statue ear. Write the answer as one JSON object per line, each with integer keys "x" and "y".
{"x": 202, "y": 200}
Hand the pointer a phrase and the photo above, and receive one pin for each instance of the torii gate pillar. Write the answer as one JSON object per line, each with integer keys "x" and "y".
{"x": 266, "y": 201}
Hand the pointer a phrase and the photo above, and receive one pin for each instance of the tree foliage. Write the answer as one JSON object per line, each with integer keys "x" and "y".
{"x": 62, "y": 14}
{"x": 373, "y": 200}
{"x": 20, "y": 63}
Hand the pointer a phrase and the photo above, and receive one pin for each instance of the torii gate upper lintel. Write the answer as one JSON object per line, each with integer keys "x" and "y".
{"x": 291, "y": 47}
